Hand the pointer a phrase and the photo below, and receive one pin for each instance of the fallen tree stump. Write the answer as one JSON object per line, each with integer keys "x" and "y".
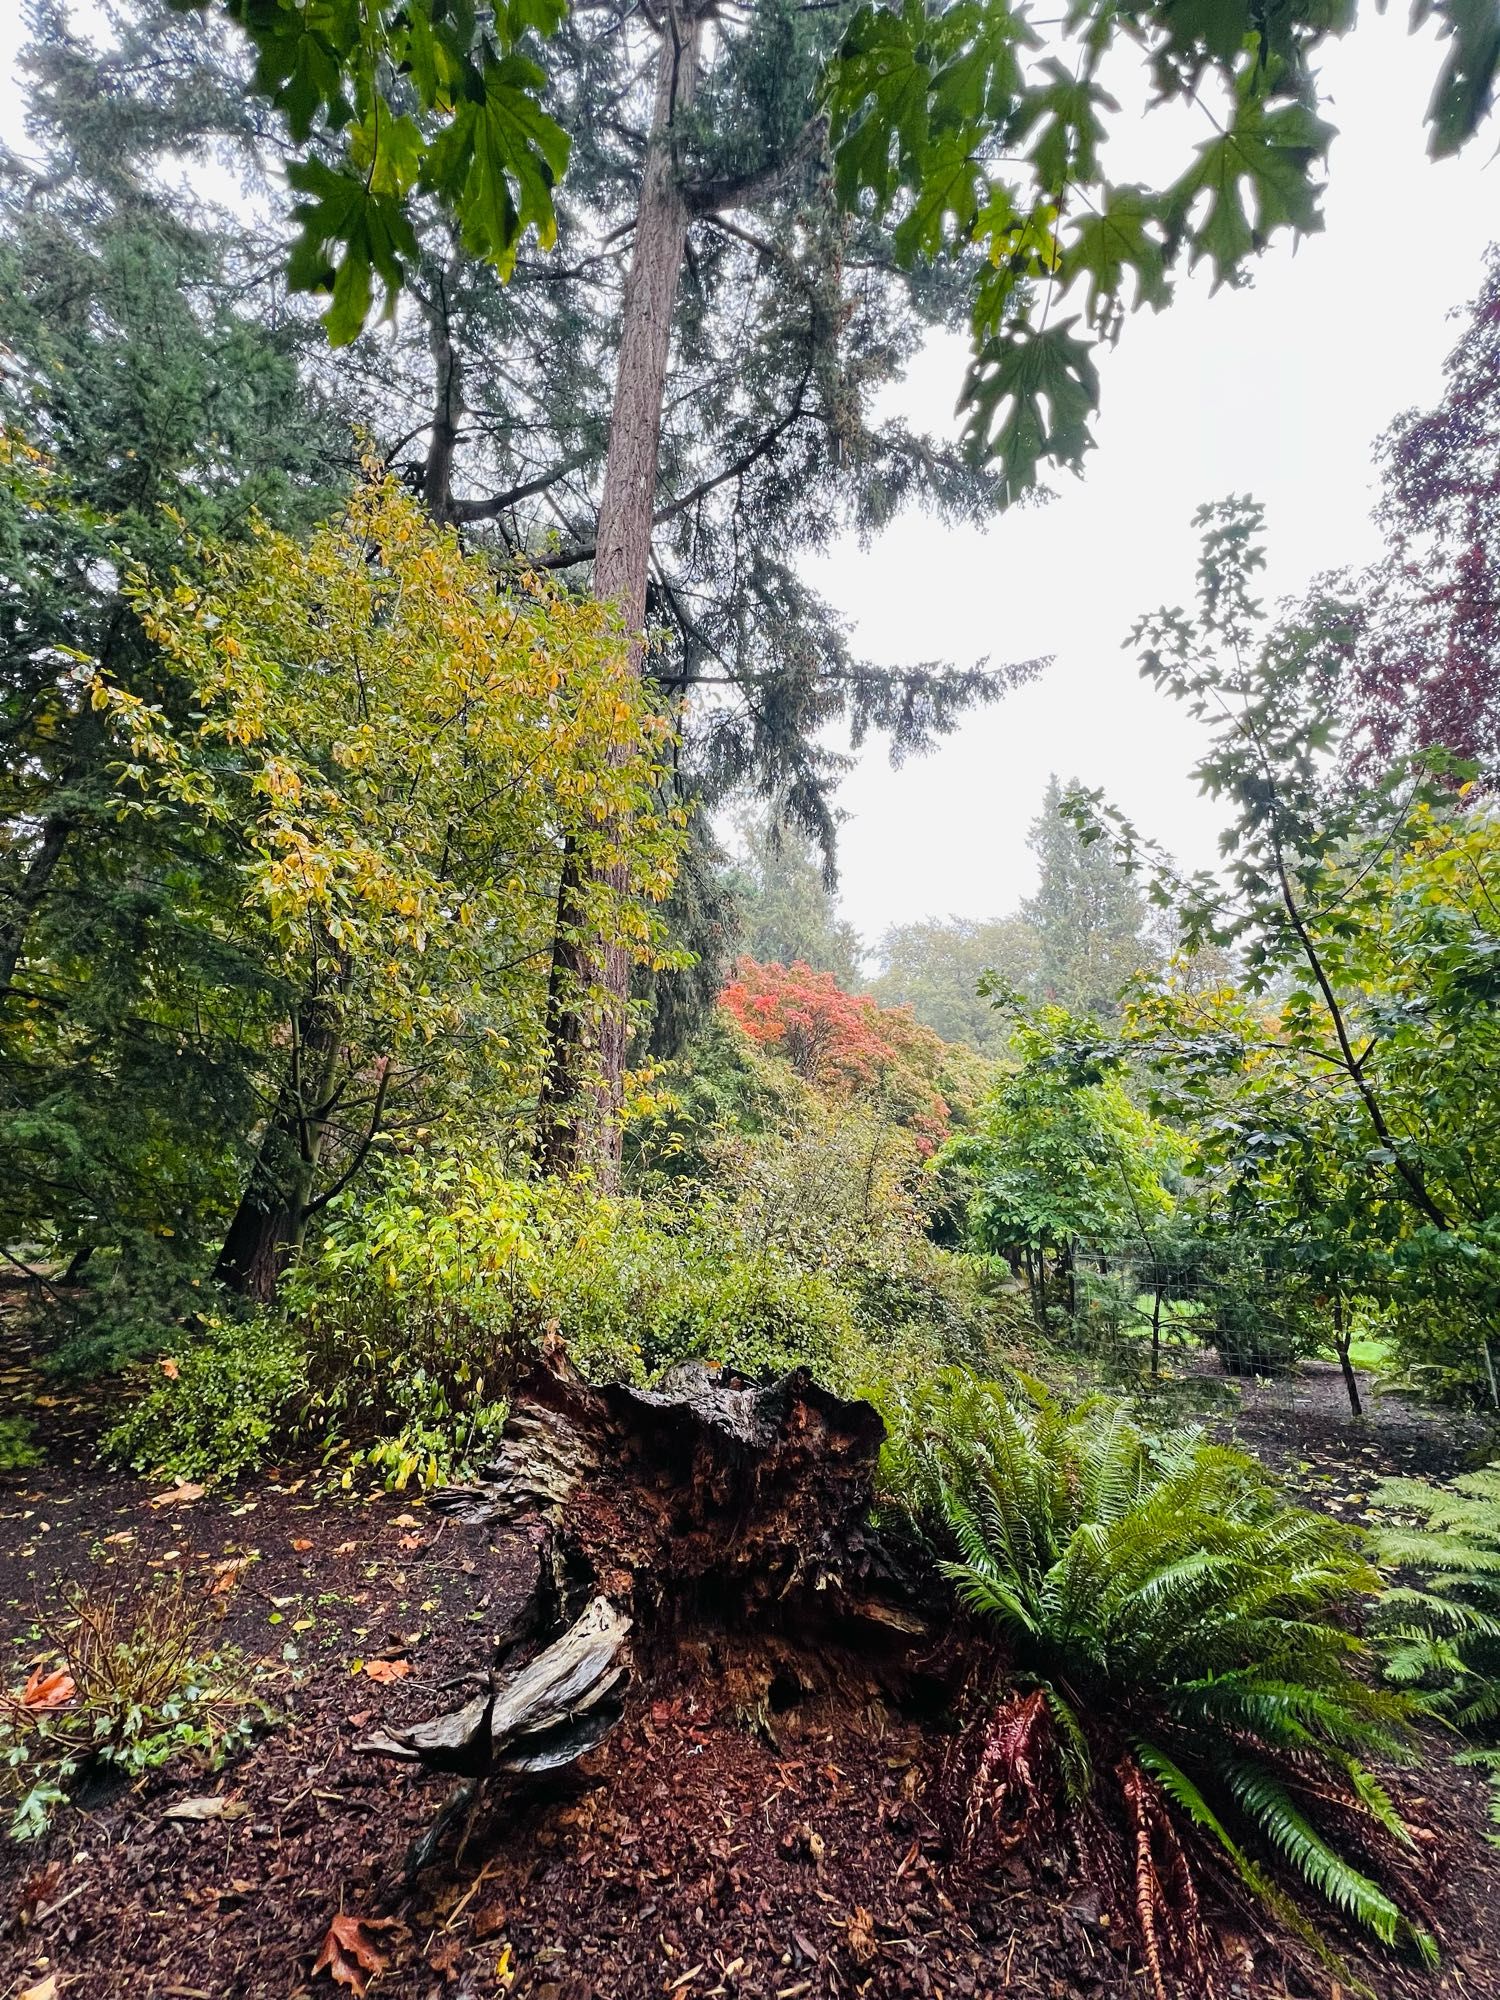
{"x": 710, "y": 1506}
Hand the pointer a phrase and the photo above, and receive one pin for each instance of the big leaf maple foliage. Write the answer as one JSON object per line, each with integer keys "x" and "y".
{"x": 981, "y": 127}
{"x": 843, "y": 1044}
{"x": 401, "y": 98}
{"x": 985, "y": 126}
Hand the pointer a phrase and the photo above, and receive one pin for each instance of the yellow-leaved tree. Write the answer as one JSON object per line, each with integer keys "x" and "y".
{"x": 396, "y": 747}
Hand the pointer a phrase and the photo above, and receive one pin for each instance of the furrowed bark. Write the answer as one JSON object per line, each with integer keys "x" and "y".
{"x": 583, "y": 1090}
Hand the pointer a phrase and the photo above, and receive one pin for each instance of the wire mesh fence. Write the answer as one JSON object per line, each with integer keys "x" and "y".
{"x": 1247, "y": 1301}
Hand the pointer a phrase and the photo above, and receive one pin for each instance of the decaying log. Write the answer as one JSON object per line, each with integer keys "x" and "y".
{"x": 534, "y": 1718}
{"x": 708, "y": 1504}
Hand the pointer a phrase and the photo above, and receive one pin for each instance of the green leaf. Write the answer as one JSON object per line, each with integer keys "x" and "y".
{"x": 1121, "y": 236}
{"x": 1030, "y": 394}
{"x": 350, "y": 235}
{"x": 499, "y": 161}
{"x": 1257, "y": 177}
{"x": 1465, "y": 88}
{"x": 877, "y": 95}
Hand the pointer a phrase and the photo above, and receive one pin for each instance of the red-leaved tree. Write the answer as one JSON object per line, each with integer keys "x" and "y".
{"x": 1424, "y": 635}
{"x": 843, "y": 1044}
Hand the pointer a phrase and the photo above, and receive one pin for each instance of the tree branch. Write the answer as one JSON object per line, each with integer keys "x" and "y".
{"x": 745, "y": 190}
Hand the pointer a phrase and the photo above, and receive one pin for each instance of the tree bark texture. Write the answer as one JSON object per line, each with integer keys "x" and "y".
{"x": 583, "y": 1091}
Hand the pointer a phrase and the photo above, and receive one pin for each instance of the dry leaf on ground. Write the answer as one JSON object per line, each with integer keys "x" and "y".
{"x": 188, "y": 1490}
{"x": 45, "y": 1692}
{"x": 386, "y": 1671}
{"x": 348, "y": 1955}
{"x": 208, "y": 1807}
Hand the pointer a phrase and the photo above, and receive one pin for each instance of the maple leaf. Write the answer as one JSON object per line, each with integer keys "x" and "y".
{"x": 45, "y": 1692}
{"x": 347, "y": 1955}
{"x": 1256, "y": 177}
{"x": 386, "y": 1671}
{"x": 1030, "y": 395}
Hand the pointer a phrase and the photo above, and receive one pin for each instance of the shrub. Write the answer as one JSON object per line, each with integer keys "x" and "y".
{"x": 17, "y": 1452}
{"x": 235, "y": 1388}
{"x": 138, "y": 1686}
{"x": 1177, "y": 1642}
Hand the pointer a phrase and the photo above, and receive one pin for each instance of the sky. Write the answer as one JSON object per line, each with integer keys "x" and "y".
{"x": 1278, "y": 390}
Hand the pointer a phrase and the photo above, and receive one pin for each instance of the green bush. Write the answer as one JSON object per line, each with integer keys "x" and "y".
{"x": 1174, "y": 1630}
{"x": 238, "y": 1387}
{"x": 17, "y": 1452}
{"x": 401, "y": 1329}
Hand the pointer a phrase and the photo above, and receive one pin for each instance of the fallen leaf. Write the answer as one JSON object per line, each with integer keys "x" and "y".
{"x": 45, "y": 1989}
{"x": 363, "y": 1719}
{"x": 212, "y": 1807}
{"x": 119, "y": 1538}
{"x": 348, "y": 1956}
{"x": 45, "y": 1692}
{"x": 490, "y": 1919}
{"x": 40, "y": 1888}
{"x": 386, "y": 1671}
{"x": 406, "y": 1521}
{"x": 301, "y": 1544}
{"x": 409, "y": 1542}
{"x": 444, "y": 1957}
{"x": 169, "y": 1368}
{"x": 346, "y": 1548}
{"x": 179, "y": 1494}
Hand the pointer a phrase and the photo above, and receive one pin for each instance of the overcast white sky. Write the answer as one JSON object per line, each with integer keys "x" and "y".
{"x": 1279, "y": 390}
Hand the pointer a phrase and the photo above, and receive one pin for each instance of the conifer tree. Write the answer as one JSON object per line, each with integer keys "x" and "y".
{"x": 147, "y": 367}
{"x": 673, "y": 407}
{"x": 1087, "y": 915}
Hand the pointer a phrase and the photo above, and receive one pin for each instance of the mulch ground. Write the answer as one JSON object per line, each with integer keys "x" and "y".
{"x": 714, "y": 1848}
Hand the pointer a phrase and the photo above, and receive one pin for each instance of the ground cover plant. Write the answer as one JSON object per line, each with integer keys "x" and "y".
{"x": 1440, "y": 1619}
{"x": 1178, "y": 1676}
{"x": 138, "y": 1683}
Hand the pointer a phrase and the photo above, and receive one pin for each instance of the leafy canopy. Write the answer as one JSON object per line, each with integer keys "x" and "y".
{"x": 394, "y": 748}
{"x": 405, "y": 97}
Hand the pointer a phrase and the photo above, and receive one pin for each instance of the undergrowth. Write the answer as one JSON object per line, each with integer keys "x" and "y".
{"x": 137, "y": 1685}
{"x": 1442, "y": 1629}
{"x": 1177, "y": 1681}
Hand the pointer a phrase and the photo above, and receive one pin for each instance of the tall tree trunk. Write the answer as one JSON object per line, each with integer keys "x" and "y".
{"x": 448, "y": 402}
{"x": 267, "y": 1227}
{"x": 584, "y": 1087}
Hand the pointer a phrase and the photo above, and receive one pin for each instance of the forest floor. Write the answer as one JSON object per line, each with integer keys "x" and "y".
{"x": 707, "y": 1852}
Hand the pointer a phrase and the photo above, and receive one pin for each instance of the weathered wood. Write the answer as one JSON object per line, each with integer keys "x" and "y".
{"x": 710, "y": 1504}
{"x": 533, "y": 1718}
